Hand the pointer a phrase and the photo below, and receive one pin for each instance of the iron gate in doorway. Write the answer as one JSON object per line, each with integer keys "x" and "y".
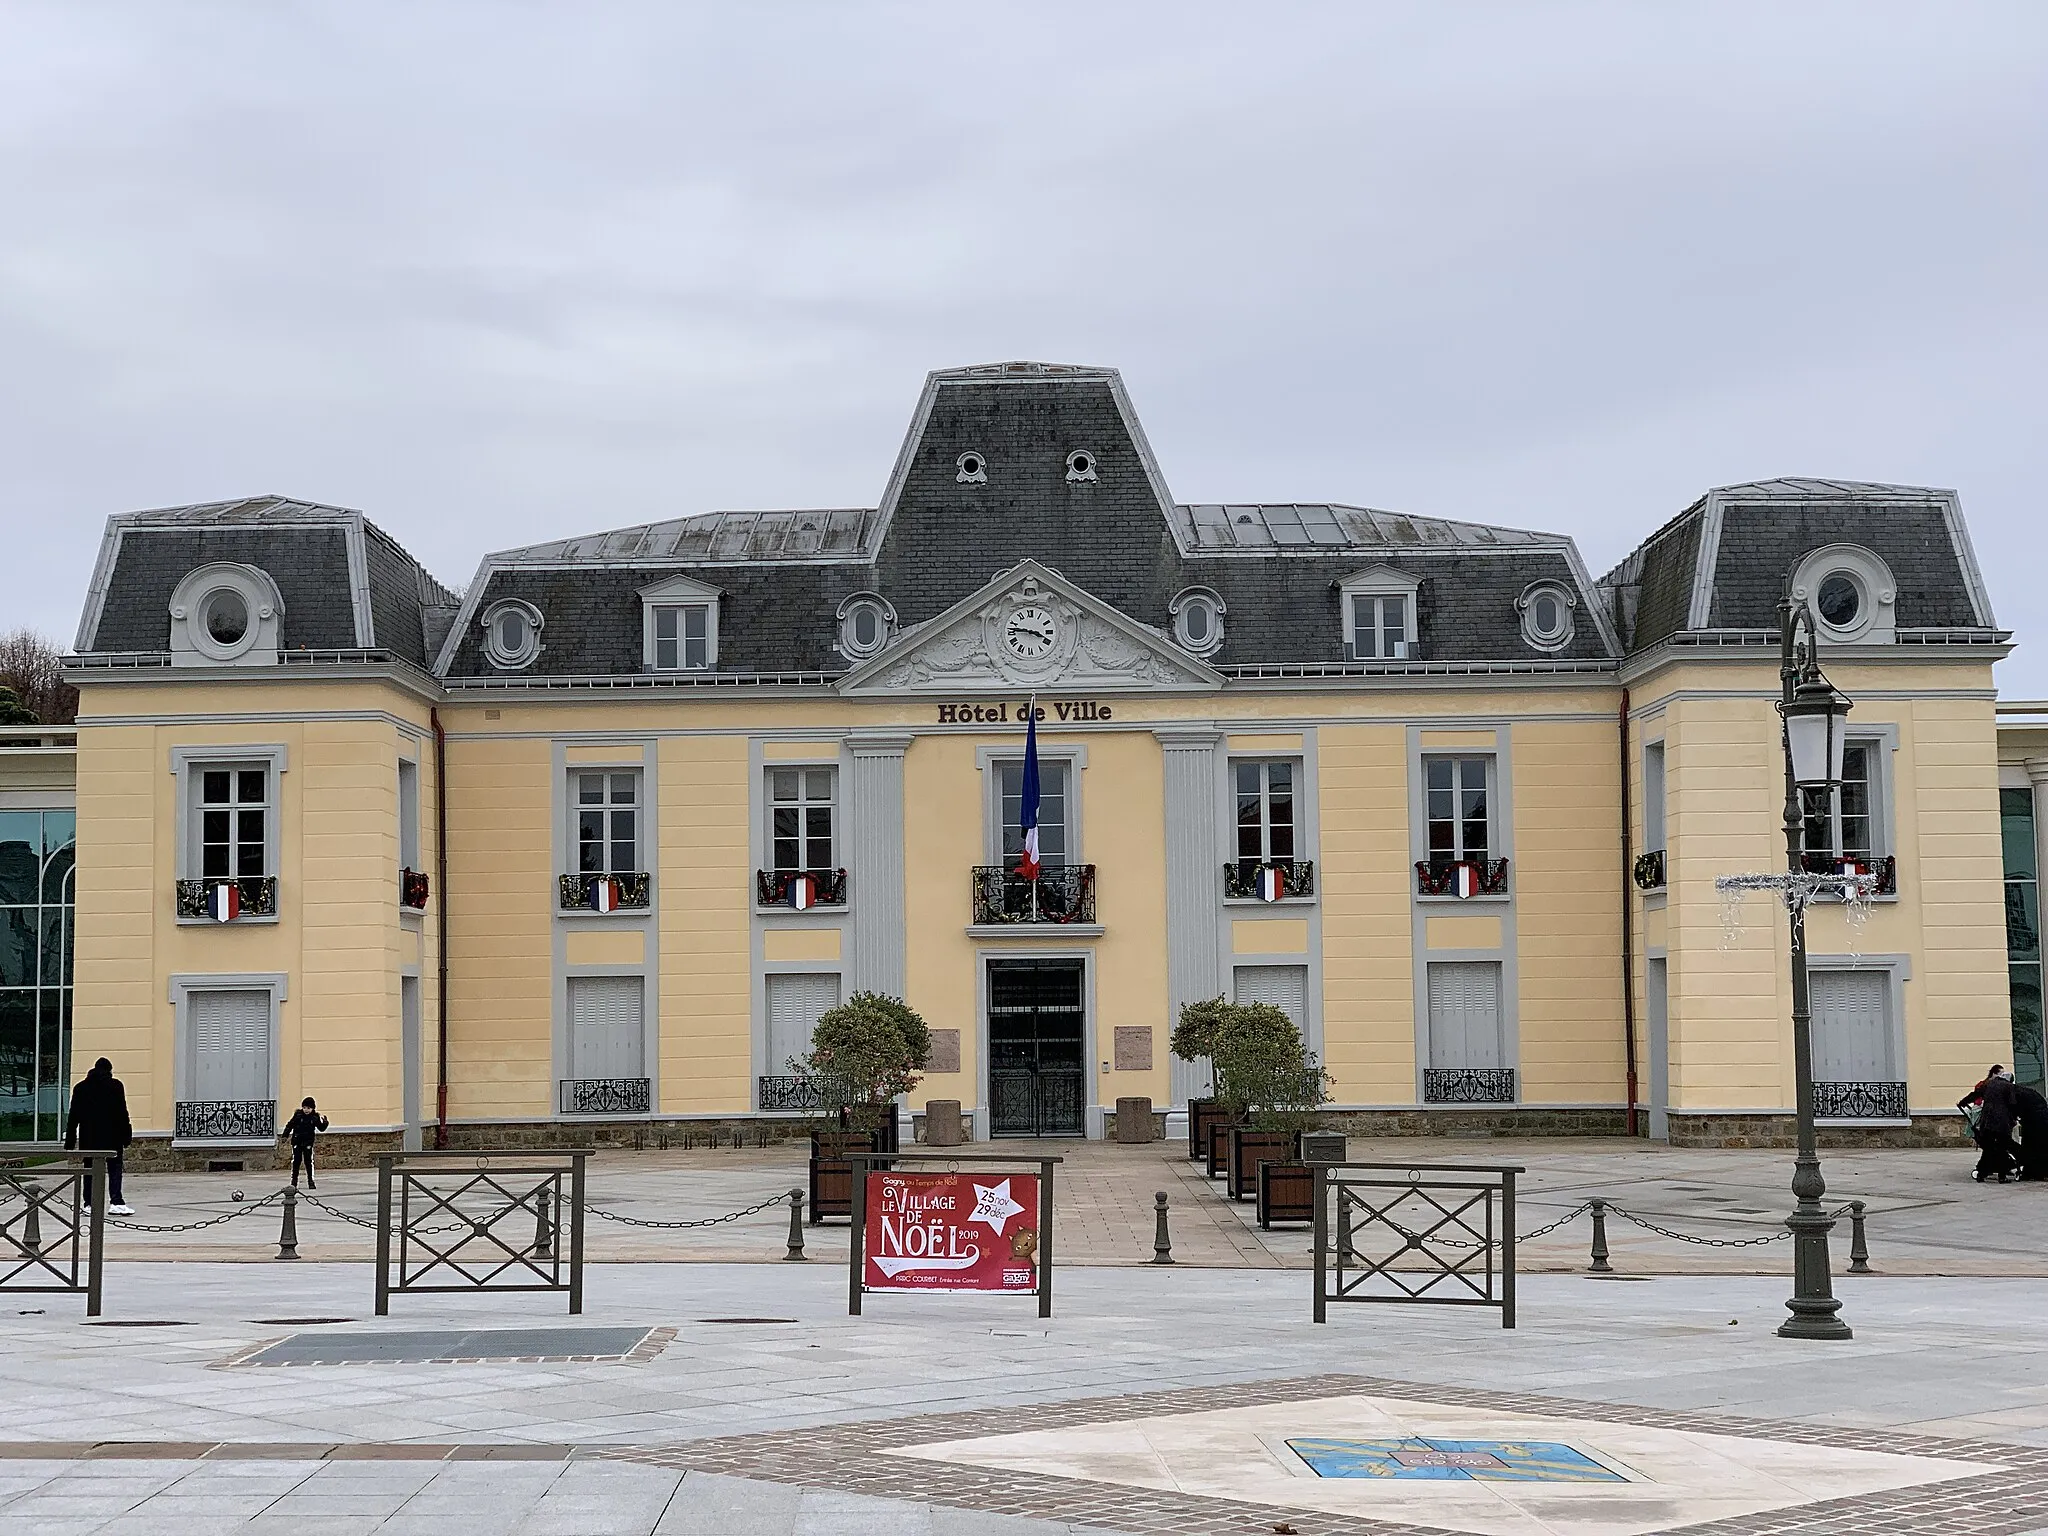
{"x": 1037, "y": 1020}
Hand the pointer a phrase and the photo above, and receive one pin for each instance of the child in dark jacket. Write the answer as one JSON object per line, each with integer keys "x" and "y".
{"x": 301, "y": 1128}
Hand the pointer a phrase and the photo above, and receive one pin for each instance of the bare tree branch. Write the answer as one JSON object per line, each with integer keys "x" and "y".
{"x": 32, "y": 665}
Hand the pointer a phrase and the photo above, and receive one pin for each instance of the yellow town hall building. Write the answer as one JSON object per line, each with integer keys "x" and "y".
{"x": 594, "y": 844}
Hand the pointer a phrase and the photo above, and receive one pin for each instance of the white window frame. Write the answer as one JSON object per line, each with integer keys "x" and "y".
{"x": 1491, "y": 759}
{"x": 607, "y": 772}
{"x": 1185, "y": 602}
{"x": 1567, "y": 602}
{"x": 187, "y": 764}
{"x": 409, "y": 813}
{"x": 1264, "y": 762}
{"x": 526, "y": 655}
{"x": 1656, "y": 797}
{"x": 1882, "y": 741}
{"x": 987, "y": 760}
{"x": 1381, "y": 581}
{"x": 678, "y": 593}
{"x": 569, "y": 989}
{"x": 1877, "y": 617}
{"x": 803, "y": 804}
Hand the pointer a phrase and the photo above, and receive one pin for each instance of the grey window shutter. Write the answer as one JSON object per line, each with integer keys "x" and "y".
{"x": 1464, "y": 1014}
{"x": 1852, "y": 1032}
{"x": 606, "y": 1029}
{"x": 231, "y": 1046}
{"x": 795, "y": 1004}
{"x": 1284, "y": 986}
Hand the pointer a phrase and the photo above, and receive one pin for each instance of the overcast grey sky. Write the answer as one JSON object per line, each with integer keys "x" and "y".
{"x": 501, "y": 272}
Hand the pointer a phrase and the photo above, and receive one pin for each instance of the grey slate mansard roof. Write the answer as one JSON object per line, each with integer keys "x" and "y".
{"x": 1724, "y": 562}
{"x": 934, "y": 540}
{"x": 346, "y": 584}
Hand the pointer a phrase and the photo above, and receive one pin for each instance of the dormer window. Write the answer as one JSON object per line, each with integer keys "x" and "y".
{"x": 1198, "y": 621}
{"x": 1852, "y": 595}
{"x": 971, "y": 468}
{"x": 1380, "y": 616}
{"x": 679, "y": 625}
{"x": 1080, "y": 465}
{"x": 226, "y": 614}
{"x": 1546, "y": 608}
{"x": 511, "y": 633}
{"x": 865, "y": 624}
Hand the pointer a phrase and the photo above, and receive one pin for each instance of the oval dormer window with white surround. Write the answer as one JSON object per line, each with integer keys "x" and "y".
{"x": 1080, "y": 465}
{"x": 511, "y": 633}
{"x": 1548, "y": 618}
{"x": 971, "y": 468}
{"x": 1197, "y": 621}
{"x": 1851, "y": 594}
{"x": 866, "y": 621}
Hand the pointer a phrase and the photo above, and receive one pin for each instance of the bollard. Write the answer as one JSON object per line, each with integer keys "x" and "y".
{"x": 543, "y": 1227}
{"x": 1162, "y": 1240}
{"x": 288, "y": 1229}
{"x": 796, "y": 1228}
{"x": 1599, "y": 1266}
{"x": 31, "y": 1224}
{"x": 1859, "y": 1255}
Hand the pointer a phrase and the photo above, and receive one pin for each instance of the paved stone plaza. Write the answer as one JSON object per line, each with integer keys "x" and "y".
{"x": 701, "y": 1394}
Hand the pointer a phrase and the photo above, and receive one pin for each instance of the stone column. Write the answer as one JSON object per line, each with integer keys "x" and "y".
{"x": 875, "y": 857}
{"x": 1194, "y": 874}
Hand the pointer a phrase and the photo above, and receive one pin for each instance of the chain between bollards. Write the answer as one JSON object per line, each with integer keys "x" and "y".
{"x": 288, "y": 1229}
{"x": 796, "y": 1228}
{"x": 1162, "y": 1240}
{"x": 1859, "y": 1255}
{"x": 1599, "y": 1266}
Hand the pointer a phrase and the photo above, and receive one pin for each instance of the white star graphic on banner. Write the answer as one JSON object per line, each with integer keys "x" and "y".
{"x": 994, "y": 1205}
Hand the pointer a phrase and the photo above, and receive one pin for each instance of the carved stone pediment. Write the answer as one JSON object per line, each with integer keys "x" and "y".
{"x": 1030, "y": 628}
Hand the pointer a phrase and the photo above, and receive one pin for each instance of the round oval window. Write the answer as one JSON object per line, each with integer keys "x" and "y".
{"x": 1080, "y": 463}
{"x": 1840, "y": 600}
{"x": 511, "y": 632}
{"x": 227, "y": 617}
{"x": 1195, "y": 621}
{"x": 971, "y": 464}
{"x": 867, "y": 626}
{"x": 1549, "y": 615}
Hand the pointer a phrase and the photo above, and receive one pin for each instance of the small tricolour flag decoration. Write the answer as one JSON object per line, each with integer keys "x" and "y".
{"x": 1851, "y": 869}
{"x": 1465, "y": 881}
{"x": 803, "y": 891}
{"x": 224, "y": 901}
{"x": 604, "y": 894}
{"x": 1269, "y": 882}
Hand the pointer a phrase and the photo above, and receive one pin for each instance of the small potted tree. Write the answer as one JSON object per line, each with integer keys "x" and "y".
{"x": 1272, "y": 1073}
{"x": 871, "y": 1048}
{"x": 1194, "y": 1039}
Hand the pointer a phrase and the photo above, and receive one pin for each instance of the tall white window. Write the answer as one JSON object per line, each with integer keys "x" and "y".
{"x": 800, "y": 817}
{"x": 1379, "y": 625}
{"x": 408, "y": 814}
{"x": 231, "y": 821}
{"x": 607, "y": 822}
{"x": 1653, "y": 797}
{"x": 1457, "y": 803}
{"x": 1052, "y": 811}
{"x": 1265, "y": 811}
{"x": 1846, "y": 823}
{"x": 682, "y": 636}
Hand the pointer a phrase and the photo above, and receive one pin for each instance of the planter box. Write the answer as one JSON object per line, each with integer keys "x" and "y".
{"x": 831, "y": 1191}
{"x": 1287, "y": 1192}
{"x": 1322, "y": 1146}
{"x": 1218, "y": 1155}
{"x": 1202, "y": 1113}
{"x": 1248, "y": 1149}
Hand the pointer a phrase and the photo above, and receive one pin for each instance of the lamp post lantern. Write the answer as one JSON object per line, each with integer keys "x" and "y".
{"x": 1812, "y": 712}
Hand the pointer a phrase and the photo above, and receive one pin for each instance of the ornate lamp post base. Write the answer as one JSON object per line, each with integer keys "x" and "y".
{"x": 1813, "y": 1304}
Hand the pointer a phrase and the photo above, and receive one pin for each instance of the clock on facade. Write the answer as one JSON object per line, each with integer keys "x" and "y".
{"x": 1030, "y": 632}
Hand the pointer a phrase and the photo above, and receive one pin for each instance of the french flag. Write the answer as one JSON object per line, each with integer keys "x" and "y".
{"x": 803, "y": 891}
{"x": 224, "y": 901}
{"x": 1269, "y": 882}
{"x": 604, "y": 894}
{"x": 1465, "y": 881}
{"x": 1027, "y": 819}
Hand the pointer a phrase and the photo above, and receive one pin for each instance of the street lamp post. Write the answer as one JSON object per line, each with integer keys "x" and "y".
{"x": 1812, "y": 713}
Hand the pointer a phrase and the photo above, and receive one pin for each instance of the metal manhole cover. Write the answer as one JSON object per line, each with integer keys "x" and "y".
{"x": 448, "y": 1345}
{"x": 296, "y": 1322}
{"x": 136, "y": 1322}
{"x": 746, "y": 1319}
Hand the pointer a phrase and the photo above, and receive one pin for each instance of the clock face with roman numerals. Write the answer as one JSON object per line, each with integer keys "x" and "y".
{"x": 1030, "y": 632}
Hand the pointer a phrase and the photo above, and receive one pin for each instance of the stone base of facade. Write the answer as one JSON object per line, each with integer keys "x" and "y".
{"x": 1781, "y": 1132}
{"x": 1480, "y": 1121}
{"x": 337, "y": 1149}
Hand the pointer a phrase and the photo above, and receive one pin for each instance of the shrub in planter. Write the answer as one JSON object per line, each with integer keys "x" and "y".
{"x": 1250, "y": 1147}
{"x": 1287, "y": 1192}
{"x": 875, "y": 1047}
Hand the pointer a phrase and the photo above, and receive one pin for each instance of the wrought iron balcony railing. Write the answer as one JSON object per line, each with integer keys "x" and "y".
{"x": 226, "y": 1120}
{"x": 1885, "y": 869}
{"x": 778, "y": 887}
{"x": 1859, "y": 1101}
{"x": 795, "y": 1092}
{"x": 1241, "y": 880}
{"x": 1059, "y": 895}
{"x": 254, "y": 896}
{"x": 584, "y": 893}
{"x": 607, "y": 1096}
{"x": 413, "y": 889}
{"x": 1468, "y": 1085}
{"x": 1650, "y": 870}
{"x": 1440, "y": 877}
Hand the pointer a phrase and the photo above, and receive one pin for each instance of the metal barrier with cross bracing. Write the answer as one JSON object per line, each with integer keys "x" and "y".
{"x": 463, "y": 1221}
{"x": 1433, "y": 1234}
{"x": 53, "y": 1227}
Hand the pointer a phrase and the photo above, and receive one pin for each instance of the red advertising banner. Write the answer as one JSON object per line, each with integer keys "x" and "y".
{"x": 951, "y": 1232}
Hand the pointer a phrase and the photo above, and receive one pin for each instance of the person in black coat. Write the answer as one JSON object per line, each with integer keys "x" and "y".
{"x": 2031, "y": 1110}
{"x": 1996, "y": 1156}
{"x": 99, "y": 1123}
{"x": 303, "y": 1126}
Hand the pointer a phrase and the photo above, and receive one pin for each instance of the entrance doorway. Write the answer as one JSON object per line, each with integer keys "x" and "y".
{"x": 1037, "y": 1020}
